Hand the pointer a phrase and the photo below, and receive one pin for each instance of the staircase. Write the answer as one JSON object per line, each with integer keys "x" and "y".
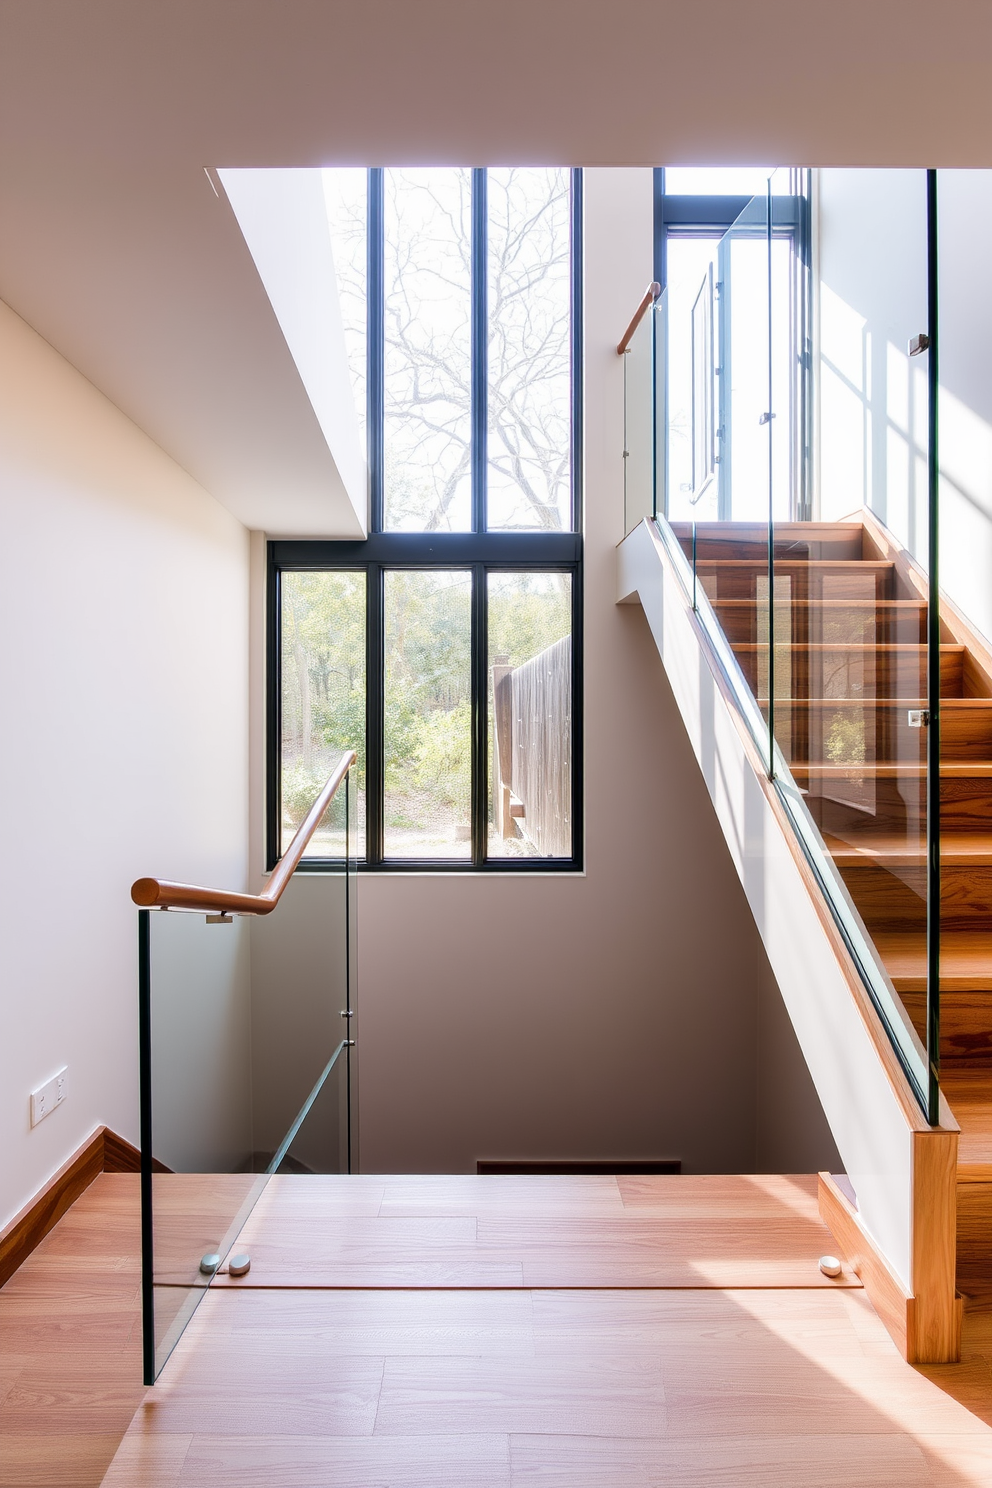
{"x": 849, "y": 667}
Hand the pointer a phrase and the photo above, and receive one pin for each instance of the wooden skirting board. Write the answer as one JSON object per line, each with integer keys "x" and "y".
{"x": 104, "y": 1152}
{"x": 913, "y": 1334}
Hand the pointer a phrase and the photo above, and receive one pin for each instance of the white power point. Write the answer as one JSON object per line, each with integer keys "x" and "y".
{"x": 50, "y": 1095}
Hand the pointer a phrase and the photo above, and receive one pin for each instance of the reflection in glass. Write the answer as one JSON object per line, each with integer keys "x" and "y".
{"x": 346, "y": 197}
{"x": 690, "y": 275}
{"x": 427, "y": 714}
{"x": 323, "y": 702}
{"x": 247, "y": 1070}
{"x": 529, "y": 349}
{"x": 718, "y": 348}
{"x": 427, "y": 368}
{"x": 530, "y": 715}
{"x": 639, "y": 394}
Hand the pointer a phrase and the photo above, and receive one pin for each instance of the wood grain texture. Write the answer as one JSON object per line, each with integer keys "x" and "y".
{"x": 69, "y": 1326}
{"x": 934, "y": 1321}
{"x": 858, "y": 1251}
{"x": 639, "y": 1231}
{"x": 707, "y": 1388}
{"x": 103, "y": 1152}
{"x": 787, "y": 1387}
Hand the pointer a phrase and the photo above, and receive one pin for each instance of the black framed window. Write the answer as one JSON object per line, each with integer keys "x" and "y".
{"x": 446, "y": 647}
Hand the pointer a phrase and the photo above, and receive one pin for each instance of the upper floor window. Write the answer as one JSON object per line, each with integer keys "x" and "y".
{"x": 447, "y": 647}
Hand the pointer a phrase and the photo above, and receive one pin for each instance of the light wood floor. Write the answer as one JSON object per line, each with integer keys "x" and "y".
{"x": 70, "y": 1348}
{"x": 537, "y": 1232}
{"x": 697, "y": 1383}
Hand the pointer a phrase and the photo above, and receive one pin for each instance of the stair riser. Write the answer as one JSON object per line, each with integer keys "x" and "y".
{"x": 965, "y": 1026}
{"x": 855, "y": 626}
{"x": 846, "y": 673}
{"x": 741, "y": 582}
{"x": 974, "y": 1237}
{"x": 756, "y": 551}
{"x": 838, "y": 541}
{"x": 849, "y": 732}
{"x": 898, "y": 806}
{"x": 890, "y": 901}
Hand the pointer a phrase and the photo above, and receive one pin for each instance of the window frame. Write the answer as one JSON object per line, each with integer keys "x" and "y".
{"x": 711, "y": 216}
{"x": 481, "y": 551}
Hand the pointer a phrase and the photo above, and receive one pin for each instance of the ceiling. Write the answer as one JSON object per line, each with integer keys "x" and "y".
{"x": 115, "y": 246}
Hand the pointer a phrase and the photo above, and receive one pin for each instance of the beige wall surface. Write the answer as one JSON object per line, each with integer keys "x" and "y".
{"x": 124, "y": 617}
{"x": 309, "y": 82}
{"x": 613, "y": 1014}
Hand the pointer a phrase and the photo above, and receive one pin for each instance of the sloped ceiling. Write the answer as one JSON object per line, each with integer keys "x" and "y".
{"x": 116, "y": 248}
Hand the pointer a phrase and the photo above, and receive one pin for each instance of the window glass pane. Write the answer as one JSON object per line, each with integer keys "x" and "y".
{"x": 530, "y": 713}
{"x": 323, "y": 702}
{"x": 529, "y": 478}
{"x": 346, "y": 197}
{"x": 692, "y": 273}
{"x": 428, "y": 714}
{"x": 717, "y": 180}
{"x": 428, "y": 344}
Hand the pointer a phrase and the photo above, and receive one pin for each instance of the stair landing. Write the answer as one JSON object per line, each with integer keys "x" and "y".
{"x": 566, "y": 1386}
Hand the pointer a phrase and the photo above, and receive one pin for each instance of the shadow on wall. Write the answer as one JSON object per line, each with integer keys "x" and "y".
{"x": 873, "y": 396}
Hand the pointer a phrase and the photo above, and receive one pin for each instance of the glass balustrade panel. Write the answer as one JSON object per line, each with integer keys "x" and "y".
{"x": 247, "y": 1070}
{"x": 639, "y": 401}
{"x": 816, "y": 618}
{"x": 851, "y": 677}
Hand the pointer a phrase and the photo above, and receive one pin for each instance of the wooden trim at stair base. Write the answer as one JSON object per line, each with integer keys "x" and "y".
{"x": 104, "y": 1152}
{"x": 936, "y": 1322}
{"x": 926, "y": 1328}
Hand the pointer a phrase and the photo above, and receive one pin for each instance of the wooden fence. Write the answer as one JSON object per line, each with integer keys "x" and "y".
{"x": 532, "y": 753}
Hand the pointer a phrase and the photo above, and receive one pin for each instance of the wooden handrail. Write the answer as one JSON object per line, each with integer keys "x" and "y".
{"x": 647, "y": 299}
{"x": 156, "y": 893}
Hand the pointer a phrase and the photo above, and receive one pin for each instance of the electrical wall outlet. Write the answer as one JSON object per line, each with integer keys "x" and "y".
{"x": 48, "y": 1096}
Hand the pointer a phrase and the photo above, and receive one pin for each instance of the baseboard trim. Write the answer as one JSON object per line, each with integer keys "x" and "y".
{"x": 103, "y": 1152}
{"x": 894, "y": 1304}
{"x": 596, "y": 1167}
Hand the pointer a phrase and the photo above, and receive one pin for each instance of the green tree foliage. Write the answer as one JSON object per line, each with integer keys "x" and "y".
{"x": 427, "y": 723}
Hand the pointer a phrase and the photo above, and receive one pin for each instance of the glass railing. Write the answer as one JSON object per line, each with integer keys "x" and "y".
{"x": 821, "y": 618}
{"x": 247, "y": 1071}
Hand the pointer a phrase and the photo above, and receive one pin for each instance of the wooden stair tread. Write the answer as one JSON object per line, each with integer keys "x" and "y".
{"x": 881, "y": 849}
{"x": 965, "y": 959}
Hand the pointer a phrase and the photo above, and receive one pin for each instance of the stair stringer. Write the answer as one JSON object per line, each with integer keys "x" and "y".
{"x": 902, "y": 1170}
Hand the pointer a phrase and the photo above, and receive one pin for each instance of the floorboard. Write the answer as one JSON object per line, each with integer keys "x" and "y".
{"x": 452, "y": 1231}
{"x": 741, "y": 1386}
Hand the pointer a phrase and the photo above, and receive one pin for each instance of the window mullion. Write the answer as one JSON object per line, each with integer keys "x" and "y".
{"x": 480, "y": 699}
{"x": 480, "y": 340}
{"x": 576, "y": 308}
{"x": 376, "y": 346}
{"x": 375, "y": 709}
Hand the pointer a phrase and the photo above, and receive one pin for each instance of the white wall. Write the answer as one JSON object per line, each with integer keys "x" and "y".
{"x": 123, "y": 669}
{"x": 873, "y": 403}
{"x": 613, "y": 1014}
{"x": 965, "y": 236}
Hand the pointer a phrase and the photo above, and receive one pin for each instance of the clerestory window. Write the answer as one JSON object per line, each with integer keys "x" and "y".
{"x": 446, "y": 648}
